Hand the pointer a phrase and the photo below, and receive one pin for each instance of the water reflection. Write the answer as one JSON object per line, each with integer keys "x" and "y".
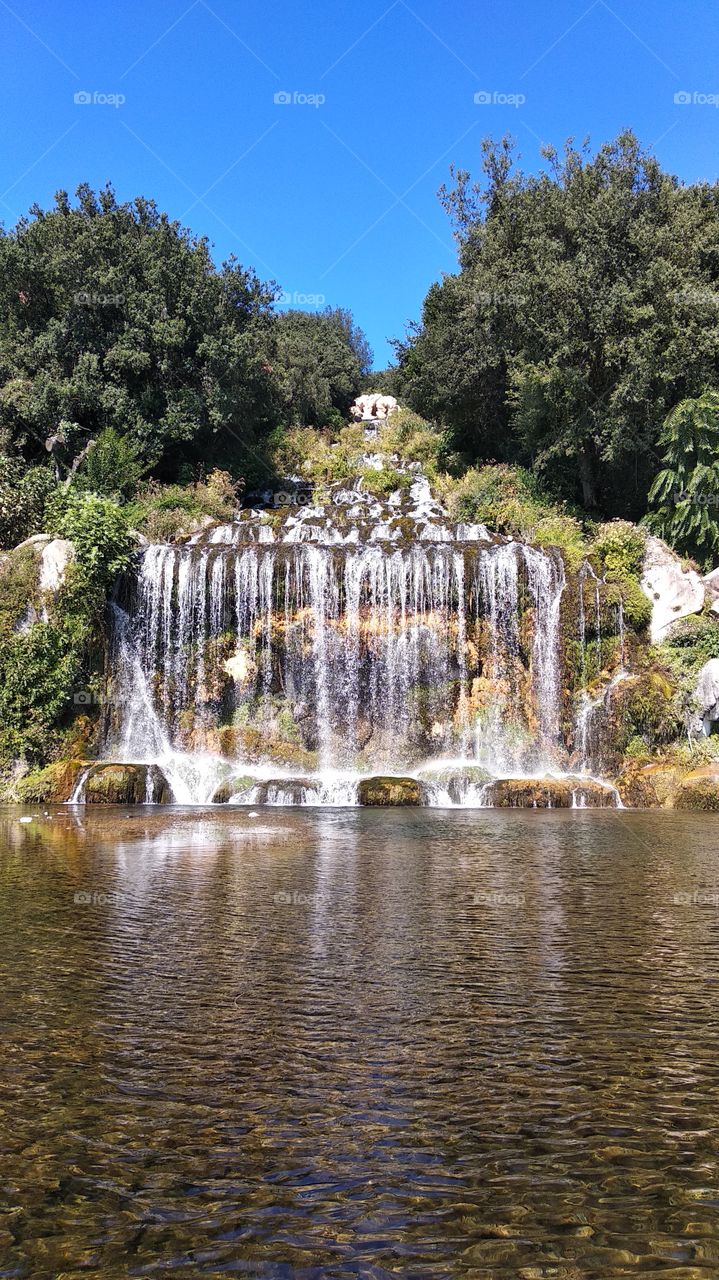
{"x": 359, "y": 1043}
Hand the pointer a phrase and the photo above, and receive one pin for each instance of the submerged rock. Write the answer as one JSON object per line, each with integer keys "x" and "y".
{"x": 550, "y": 793}
{"x": 126, "y": 784}
{"x": 391, "y": 792}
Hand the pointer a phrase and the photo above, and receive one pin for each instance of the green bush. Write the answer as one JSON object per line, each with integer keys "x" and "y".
{"x": 162, "y": 511}
{"x": 113, "y": 467}
{"x": 618, "y": 546}
{"x": 24, "y": 493}
{"x": 42, "y": 665}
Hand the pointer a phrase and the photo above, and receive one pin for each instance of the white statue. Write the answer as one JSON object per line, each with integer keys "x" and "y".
{"x": 373, "y": 406}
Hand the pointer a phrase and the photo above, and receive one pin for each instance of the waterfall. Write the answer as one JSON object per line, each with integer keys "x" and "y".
{"x": 360, "y": 654}
{"x": 292, "y": 658}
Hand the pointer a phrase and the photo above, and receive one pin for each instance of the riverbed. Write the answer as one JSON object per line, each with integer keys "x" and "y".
{"x": 307, "y": 1043}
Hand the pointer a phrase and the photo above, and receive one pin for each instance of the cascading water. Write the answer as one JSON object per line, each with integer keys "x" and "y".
{"x": 281, "y": 660}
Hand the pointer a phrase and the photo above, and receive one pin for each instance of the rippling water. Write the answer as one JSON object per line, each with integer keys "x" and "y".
{"x": 338, "y": 1043}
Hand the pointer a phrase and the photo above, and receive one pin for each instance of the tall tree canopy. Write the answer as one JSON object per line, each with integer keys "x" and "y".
{"x": 585, "y": 307}
{"x": 322, "y": 358}
{"x": 115, "y": 318}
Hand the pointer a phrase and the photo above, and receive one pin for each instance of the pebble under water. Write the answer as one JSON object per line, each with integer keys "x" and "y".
{"x": 312, "y": 1043}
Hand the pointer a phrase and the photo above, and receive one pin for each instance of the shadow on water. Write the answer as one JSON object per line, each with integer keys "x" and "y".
{"x": 359, "y": 1042}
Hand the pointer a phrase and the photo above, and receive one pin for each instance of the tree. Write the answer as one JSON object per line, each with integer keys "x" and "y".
{"x": 115, "y": 318}
{"x": 321, "y": 359}
{"x": 584, "y": 308}
{"x": 686, "y": 491}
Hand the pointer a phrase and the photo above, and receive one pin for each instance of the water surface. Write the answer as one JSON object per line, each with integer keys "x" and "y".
{"x": 362, "y": 1042}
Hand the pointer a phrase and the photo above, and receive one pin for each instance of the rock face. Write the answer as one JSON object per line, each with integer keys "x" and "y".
{"x": 550, "y": 793}
{"x": 711, "y": 588}
{"x": 126, "y": 784}
{"x": 706, "y": 696}
{"x": 373, "y": 405}
{"x": 389, "y": 792}
{"x": 674, "y": 592}
{"x": 55, "y": 559}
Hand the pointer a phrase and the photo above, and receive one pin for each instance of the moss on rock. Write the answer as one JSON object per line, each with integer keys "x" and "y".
{"x": 390, "y": 792}
{"x": 126, "y": 784}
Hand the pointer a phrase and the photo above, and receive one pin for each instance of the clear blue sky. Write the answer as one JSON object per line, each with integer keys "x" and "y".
{"x": 337, "y": 199}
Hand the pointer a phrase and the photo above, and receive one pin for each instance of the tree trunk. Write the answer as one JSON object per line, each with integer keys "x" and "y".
{"x": 587, "y": 478}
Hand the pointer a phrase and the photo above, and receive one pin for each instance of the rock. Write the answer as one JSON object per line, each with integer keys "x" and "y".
{"x": 673, "y": 591}
{"x": 236, "y": 789}
{"x": 636, "y": 790}
{"x": 37, "y": 540}
{"x": 240, "y": 668}
{"x": 550, "y": 793}
{"x": 55, "y": 559}
{"x": 52, "y": 785}
{"x": 702, "y": 795}
{"x": 288, "y": 791}
{"x": 126, "y": 784}
{"x": 711, "y": 590}
{"x": 706, "y": 697}
{"x": 391, "y": 792}
{"x": 461, "y": 784}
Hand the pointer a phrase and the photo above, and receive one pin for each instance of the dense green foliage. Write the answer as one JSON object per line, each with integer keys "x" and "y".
{"x": 45, "y": 659}
{"x": 124, "y": 349}
{"x": 686, "y": 491}
{"x": 583, "y": 310}
{"x": 321, "y": 360}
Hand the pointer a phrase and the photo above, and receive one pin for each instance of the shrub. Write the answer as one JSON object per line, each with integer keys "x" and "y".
{"x": 113, "y": 467}
{"x": 162, "y": 511}
{"x": 618, "y": 546}
{"x": 24, "y": 493}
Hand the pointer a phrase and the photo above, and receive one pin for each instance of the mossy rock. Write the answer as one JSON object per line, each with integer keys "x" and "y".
{"x": 702, "y": 795}
{"x": 636, "y": 788}
{"x": 52, "y": 785}
{"x": 126, "y": 784}
{"x": 392, "y": 792}
{"x": 232, "y": 787}
{"x": 550, "y": 793}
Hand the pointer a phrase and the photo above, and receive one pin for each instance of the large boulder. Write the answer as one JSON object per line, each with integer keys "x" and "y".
{"x": 550, "y": 793}
{"x": 55, "y": 559}
{"x": 711, "y": 589}
{"x": 389, "y": 792}
{"x": 126, "y": 784}
{"x": 706, "y": 698}
{"x": 699, "y": 791}
{"x": 674, "y": 592}
{"x": 285, "y": 791}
